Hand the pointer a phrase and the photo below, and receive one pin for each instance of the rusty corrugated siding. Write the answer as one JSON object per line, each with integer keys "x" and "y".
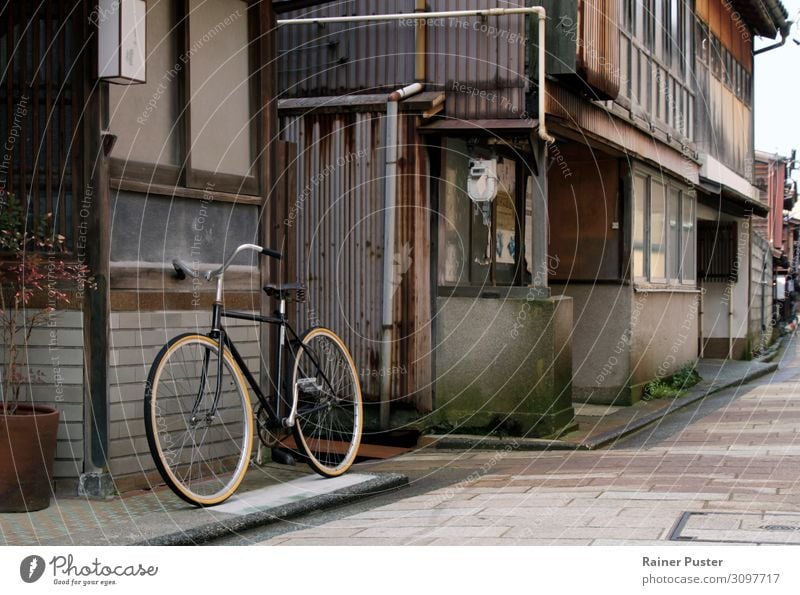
{"x": 461, "y": 51}
{"x": 486, "y": 55}
{"x": 337, "y": 217}
{"x": 347, "y": 57}
{"x": 598, "y": 54}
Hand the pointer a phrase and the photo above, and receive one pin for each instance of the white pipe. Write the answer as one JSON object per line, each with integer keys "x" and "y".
{"x": 389, "y": 217}
{"x": 488, "y": 12}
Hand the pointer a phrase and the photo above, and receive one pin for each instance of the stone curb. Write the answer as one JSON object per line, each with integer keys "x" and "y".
{"x": 223, "y": 527}
{"x": 467, "y": 442}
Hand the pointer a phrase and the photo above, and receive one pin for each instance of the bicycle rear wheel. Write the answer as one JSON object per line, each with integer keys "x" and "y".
{"x": 329, "y": 409}
{"x": 202, "y": 452}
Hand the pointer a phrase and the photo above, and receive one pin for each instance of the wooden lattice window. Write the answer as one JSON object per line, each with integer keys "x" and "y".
{"x": 40, "y": 108}
{"x": 717, "y": 255}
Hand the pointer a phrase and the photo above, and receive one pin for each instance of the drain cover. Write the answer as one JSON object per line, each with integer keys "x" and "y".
{"x": 738, "y": 527}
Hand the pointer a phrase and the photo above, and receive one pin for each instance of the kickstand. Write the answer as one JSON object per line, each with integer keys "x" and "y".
{"x": 282, "y": 456}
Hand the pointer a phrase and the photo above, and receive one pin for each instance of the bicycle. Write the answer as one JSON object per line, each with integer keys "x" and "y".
{"x": 198, "y": 413}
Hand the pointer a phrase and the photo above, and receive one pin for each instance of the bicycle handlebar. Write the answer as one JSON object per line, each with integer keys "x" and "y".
{"x": 183, "y": 270}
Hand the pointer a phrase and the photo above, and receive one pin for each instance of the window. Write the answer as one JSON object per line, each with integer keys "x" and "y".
{"x": 714, "y": 56}
{"x": 639, "y": 247}
{"x": 144, "y": 116}
{"x": 701, "y": 42}
{"x": 663, "y": 237}
{"x": 680, "y": 35}
{"x": 658, "y": 240}
{"x": 220, "y": 93}
{"x": 193, "y": 123}
{"x": 629, "y": 16}
{"x": 649, "y": 24}
{"x": 667, "y": 30}
{"x": 484, "y": 248}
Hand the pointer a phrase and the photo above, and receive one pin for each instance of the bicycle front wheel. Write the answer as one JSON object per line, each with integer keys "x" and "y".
{"x": 198, "y": 419}
{"x": 325, "y": 385}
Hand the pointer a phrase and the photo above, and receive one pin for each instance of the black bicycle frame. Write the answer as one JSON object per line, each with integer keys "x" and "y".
{"x": 218, "y": 333}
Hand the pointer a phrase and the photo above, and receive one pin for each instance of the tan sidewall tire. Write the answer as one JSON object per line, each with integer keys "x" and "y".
{"x": 171, "y": 479}
{"x": 315, "y": 464}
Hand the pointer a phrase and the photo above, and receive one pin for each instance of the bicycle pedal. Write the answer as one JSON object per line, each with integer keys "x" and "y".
{"x": 283, "y": 457}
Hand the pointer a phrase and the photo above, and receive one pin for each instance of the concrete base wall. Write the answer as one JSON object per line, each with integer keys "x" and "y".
{"x": 504, "y": 364}
{"x": 623, "y": 339}
{"x": 664, "y": 337}
{"x": 600, "y": 341}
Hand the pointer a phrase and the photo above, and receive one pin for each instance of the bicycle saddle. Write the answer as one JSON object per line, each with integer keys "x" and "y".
{"x": 281, "y": 290}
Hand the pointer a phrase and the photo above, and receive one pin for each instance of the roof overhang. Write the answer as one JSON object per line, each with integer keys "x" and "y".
{"x": 728, "y": 200}
{"x": 766, "y": 17}
{"x": 485, "y": 125}
{"x": 368, "y": 102}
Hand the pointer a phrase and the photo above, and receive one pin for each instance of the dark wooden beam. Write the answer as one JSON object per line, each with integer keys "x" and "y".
{"x": 283, "y": 6}
{"x": 93, "y": 198}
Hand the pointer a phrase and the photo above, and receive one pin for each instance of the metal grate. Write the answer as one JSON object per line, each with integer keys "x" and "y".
{"x": 775, "y": 528}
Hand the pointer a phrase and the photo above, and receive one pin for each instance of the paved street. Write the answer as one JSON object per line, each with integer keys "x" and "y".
{"x": 724, "y": 471}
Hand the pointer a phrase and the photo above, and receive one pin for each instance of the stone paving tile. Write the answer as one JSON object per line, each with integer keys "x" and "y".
{"x": 381, "y": 513}
{"x": 739, "y": 458}
{"x": 391, "y": 532}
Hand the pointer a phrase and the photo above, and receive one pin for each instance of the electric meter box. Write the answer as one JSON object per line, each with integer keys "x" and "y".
{"x": 482, "y": 182}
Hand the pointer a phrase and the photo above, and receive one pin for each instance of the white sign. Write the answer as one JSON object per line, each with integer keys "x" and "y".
{"x": 122, "y": 41}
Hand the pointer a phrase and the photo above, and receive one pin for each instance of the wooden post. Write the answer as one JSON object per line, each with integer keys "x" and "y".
{"x": 94, "y": 201}
{"x": 269, "y": 269}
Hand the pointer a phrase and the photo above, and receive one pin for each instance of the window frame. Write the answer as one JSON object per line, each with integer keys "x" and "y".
{"x": 165, "y": 179}
{"x": 521, "y": 277}
{"x": 685, "y": 279}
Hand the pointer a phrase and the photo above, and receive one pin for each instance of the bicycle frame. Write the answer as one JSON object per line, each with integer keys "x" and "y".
{"x": 218, "y": 333}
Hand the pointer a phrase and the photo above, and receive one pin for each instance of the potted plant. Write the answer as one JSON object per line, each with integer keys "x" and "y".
{"x": 35, "y": 276}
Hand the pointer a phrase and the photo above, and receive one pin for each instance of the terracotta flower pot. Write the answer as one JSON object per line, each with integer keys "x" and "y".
{"x": 27, "y": 451}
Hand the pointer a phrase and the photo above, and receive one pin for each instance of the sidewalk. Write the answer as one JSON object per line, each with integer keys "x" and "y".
{"x": 273, "y": 493}
{"x": 269, "y": 493}
{"x": 601, "y": 425}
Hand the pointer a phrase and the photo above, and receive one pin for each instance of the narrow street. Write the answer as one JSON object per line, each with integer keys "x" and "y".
{"x": 724, "y": 471}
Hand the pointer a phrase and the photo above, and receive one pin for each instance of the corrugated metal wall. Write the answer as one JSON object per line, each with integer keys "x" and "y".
{"x": 485, "y": 55}
{"x": 367, "y": 57}
{"x": 337, "y": 219}
{"x": 598, "y": 55}
{"x": 341, "y": 58}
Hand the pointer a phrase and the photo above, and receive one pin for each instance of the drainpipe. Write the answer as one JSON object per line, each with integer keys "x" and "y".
{"x": 389, "y": 216}
{"x": 700, "y": 322}
{"x": 730, "y": 320}
{"x": 488, "y": 12}
{"x": 784, "y": 36}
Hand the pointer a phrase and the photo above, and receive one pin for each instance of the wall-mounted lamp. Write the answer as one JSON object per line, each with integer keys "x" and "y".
{"x": 122, "y": 45}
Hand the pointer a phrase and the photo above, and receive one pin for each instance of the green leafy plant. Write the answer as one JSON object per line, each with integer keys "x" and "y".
{"x": 686, "y": 377}
{"x": 674, "y": 386}
{"x": 33, "y": 264}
